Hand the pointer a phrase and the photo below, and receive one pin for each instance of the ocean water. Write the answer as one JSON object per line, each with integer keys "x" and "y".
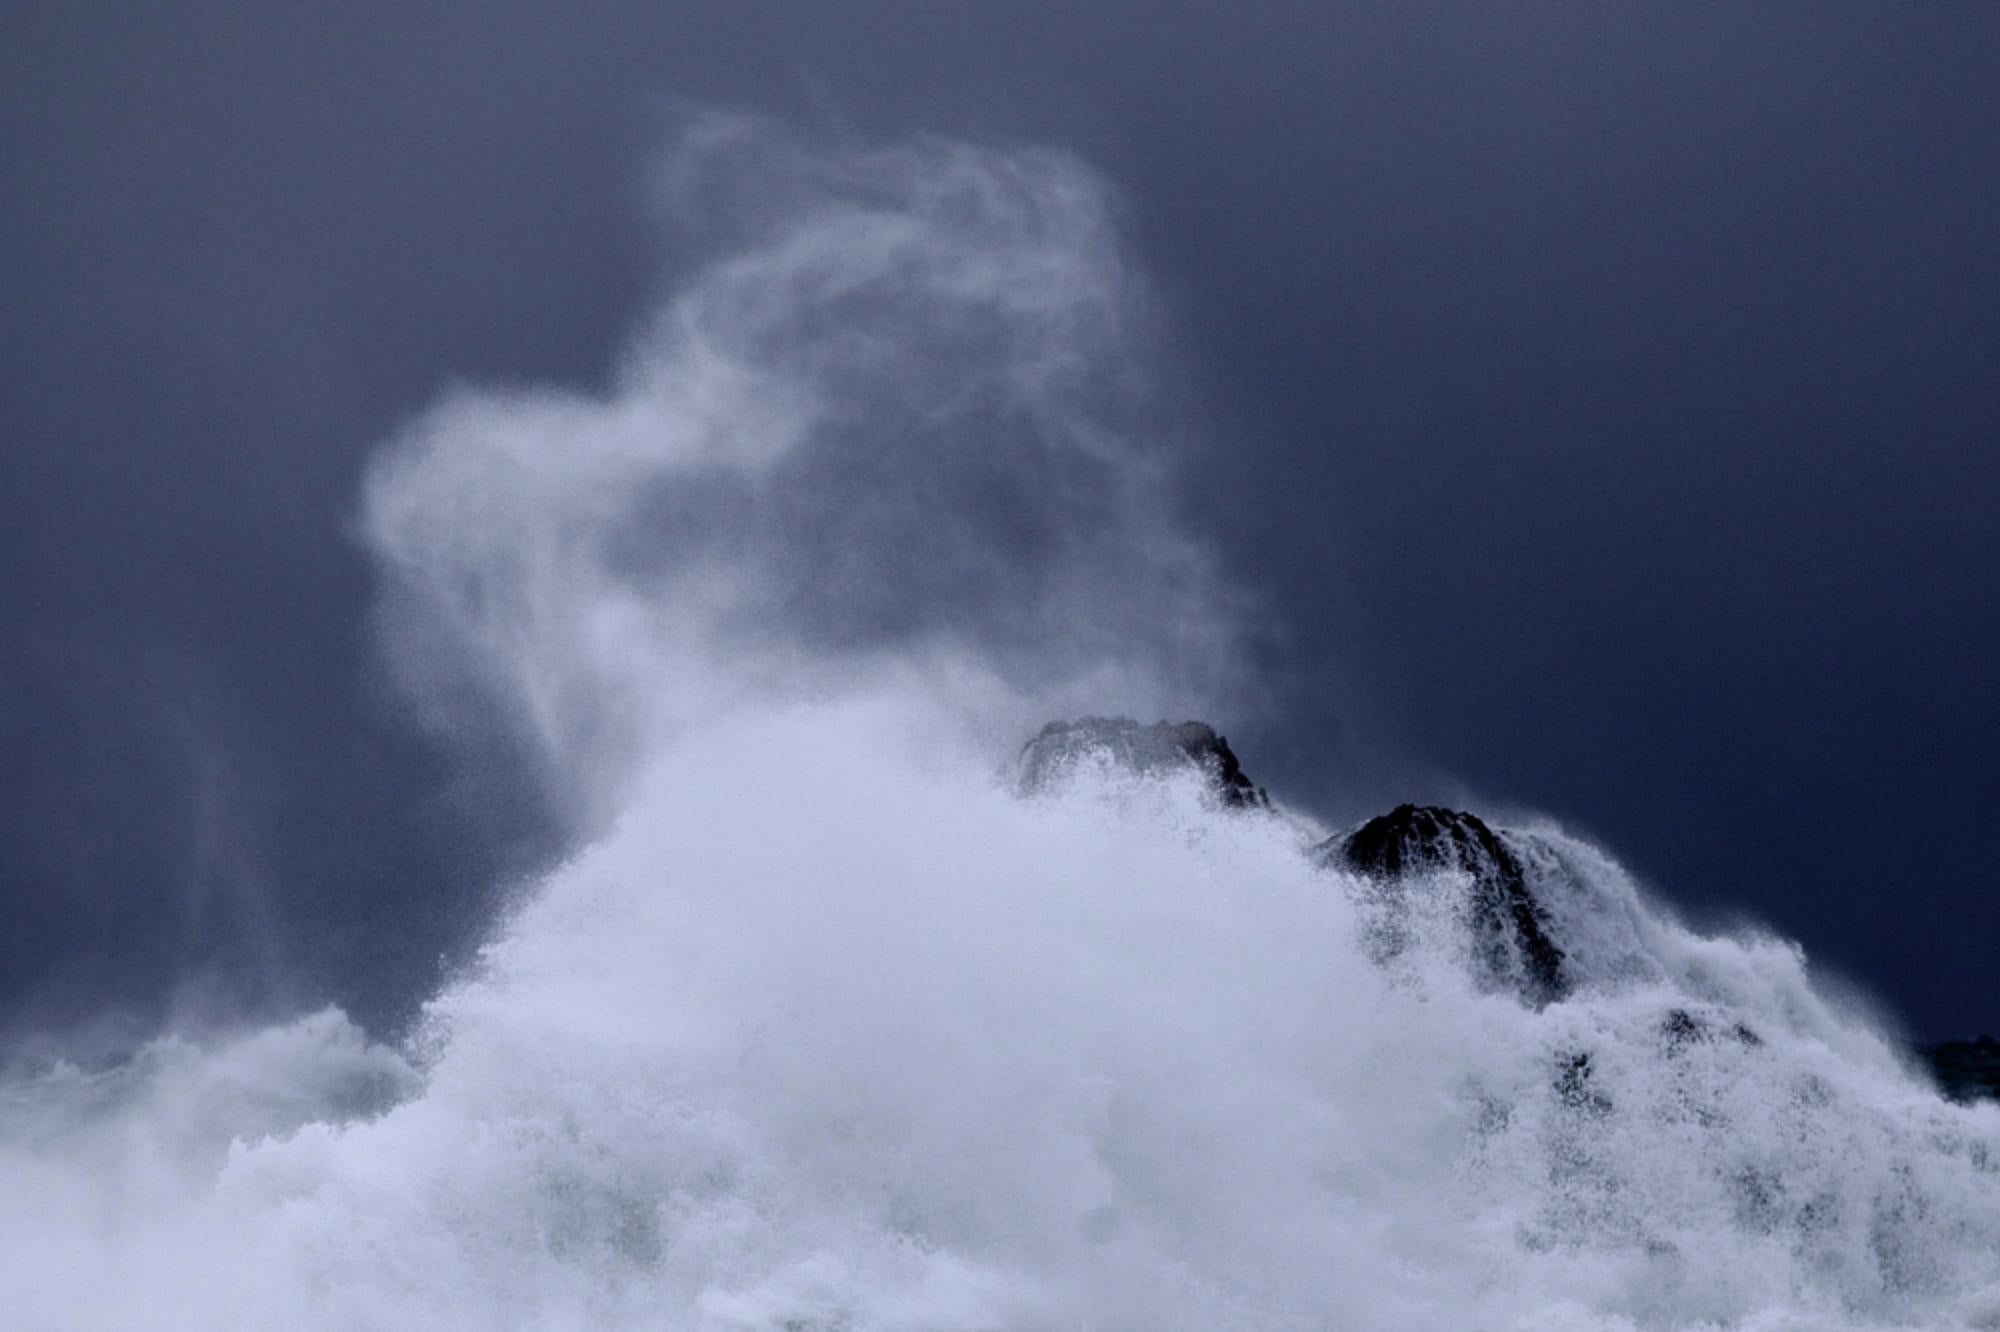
{"x": 823, "y": 1026}
{"x": 834, "y": 1030}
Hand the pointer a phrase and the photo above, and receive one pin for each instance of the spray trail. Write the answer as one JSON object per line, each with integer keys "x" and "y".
{"x": 824, "y": 1025}
{"x": 905, "y": 425}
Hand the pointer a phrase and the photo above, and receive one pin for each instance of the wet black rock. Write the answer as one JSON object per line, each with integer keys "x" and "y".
{"x": 1511, "y": 928}
{"x": 1965, "y": 1070}
{"x": 1515, "y": 940}
{"x": 1163, "y": 747}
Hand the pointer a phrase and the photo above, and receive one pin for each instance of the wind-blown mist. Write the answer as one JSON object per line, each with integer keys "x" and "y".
{"x": 906, "y": 428}
{"x": 825, "y": 1025}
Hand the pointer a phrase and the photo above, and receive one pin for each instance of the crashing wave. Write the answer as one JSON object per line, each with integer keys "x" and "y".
{"x": 872, "y": 1041}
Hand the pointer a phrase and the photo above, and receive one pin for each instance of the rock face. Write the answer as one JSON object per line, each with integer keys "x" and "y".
{"x": 1162, "y": 747}
{"x": 1511, "y": 933}
{"x": 1965, "y": 1070}
{"x": 1514, "y": 878}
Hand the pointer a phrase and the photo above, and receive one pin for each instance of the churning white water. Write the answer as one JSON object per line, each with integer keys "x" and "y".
{"x": 824, "y": 1025}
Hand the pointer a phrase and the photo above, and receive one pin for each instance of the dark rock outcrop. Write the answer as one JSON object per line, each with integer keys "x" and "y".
{"x": 1163, "y": 747}
{"x": 1514, "y": 941}
{"x": 1965, "y": 1070}
{"x": 1512, "y": 938}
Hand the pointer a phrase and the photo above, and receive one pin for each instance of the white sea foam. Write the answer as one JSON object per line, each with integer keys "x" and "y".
{"x": 824, "y": 1026}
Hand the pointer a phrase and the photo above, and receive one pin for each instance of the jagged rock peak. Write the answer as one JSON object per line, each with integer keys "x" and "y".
{"x": 1426, "y": 837}
{"x": 1163, "y": 747}
{"x": 1511, "y": 931}
{"x": 1965, "y": 1070}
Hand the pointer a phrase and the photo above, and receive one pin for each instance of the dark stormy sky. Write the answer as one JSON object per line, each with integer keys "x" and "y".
{"x": 1606, "y": 396}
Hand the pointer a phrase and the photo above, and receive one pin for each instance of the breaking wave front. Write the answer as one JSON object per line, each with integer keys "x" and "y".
{"x": 825, "y": 1025}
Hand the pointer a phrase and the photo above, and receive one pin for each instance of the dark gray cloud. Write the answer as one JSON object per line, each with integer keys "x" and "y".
{"x": 1605, "y": 396}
